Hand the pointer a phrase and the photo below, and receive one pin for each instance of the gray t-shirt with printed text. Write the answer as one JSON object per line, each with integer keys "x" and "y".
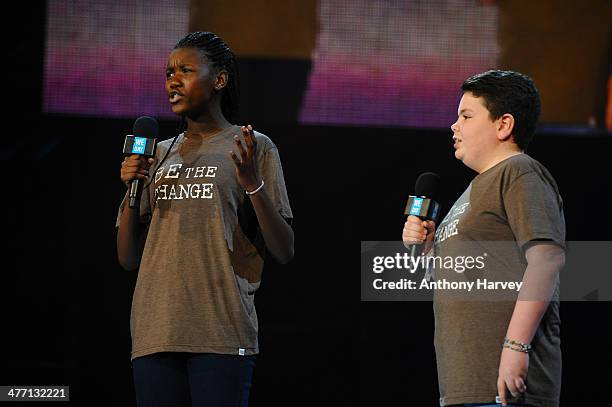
{"x": 503, "y": 210}
{"x": 203, "y": 256}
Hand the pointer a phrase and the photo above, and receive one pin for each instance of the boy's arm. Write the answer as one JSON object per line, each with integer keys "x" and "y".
{"x": 544, "y": 261}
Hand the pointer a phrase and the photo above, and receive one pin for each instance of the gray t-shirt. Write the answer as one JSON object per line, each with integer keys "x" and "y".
{"x": 504, "y": 208}
{"x": 203, "y": 256}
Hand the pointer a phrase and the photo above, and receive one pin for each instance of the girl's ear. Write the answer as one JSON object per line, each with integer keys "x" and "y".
{"x": 221, "y": 80}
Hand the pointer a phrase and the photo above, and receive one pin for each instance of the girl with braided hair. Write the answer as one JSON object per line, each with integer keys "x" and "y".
{"x": 212, "y": 205}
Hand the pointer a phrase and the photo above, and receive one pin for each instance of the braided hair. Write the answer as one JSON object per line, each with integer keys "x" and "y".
{"x": 219, "y": 56}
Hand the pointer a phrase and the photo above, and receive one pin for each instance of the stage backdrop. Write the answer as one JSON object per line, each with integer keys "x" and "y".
{"x": 356, "y": 62}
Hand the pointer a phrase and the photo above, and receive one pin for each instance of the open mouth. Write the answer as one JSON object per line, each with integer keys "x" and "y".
{"x": 174, "y": 96}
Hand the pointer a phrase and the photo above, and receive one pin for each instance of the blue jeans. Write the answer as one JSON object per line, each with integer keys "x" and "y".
{"x": 180, "y": 379}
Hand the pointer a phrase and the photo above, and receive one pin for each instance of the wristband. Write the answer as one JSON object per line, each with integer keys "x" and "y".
{"x": 517, "y": 346}
{"x": 256, "y": 189}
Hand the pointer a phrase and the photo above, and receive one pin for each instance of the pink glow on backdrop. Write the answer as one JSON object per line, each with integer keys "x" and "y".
{"x": 108, "y": 58}
{"x": 397, "y": 63}
{"x": 377, "y": 62}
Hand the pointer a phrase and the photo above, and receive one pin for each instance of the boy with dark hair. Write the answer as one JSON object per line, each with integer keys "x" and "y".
{"x": 498, "y": 351}
{"x": 508, "y": 92}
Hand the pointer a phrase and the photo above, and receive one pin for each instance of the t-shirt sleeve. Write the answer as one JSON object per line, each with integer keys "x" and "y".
{"x": 147, "y": 198}
{"x": 145, "y": 203}
{"x": 272, "y": 174}
{"x": 534, "y": 210}
{"x": 145, "y": 208}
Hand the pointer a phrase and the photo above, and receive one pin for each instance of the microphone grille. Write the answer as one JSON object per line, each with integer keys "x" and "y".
{"x": 428, "y": 184}
{"x": 146, "y": 126}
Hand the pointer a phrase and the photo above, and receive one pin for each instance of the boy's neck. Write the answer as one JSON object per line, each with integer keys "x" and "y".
{"x": 503, "y": 153}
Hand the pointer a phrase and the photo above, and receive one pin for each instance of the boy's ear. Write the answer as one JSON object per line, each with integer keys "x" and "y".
{"x": 505, "y": 126}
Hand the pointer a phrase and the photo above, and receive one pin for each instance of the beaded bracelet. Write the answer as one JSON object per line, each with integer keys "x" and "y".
{"x": 517, "y": 346}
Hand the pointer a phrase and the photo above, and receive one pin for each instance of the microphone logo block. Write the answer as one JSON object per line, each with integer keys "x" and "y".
{"x": 423, "y": 207}
{"x": 416, "y": 206}
{"x": 140, "y": 143}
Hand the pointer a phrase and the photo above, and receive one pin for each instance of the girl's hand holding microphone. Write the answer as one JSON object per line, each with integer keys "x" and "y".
{"x": 134, "y": 167}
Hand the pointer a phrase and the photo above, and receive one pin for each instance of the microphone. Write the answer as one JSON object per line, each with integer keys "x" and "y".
{"x": 424, "y": 202}
{"x": 141, "y": 142}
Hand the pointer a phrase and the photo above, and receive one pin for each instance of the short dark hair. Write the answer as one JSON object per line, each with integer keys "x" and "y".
{"x": 508, "y": 92}
{"x": 220, "y": 56}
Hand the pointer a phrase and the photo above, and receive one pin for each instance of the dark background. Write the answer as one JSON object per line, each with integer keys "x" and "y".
{"x": 66, "y": 302}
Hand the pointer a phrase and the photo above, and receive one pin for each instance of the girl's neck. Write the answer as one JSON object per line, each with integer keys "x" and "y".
{"x": 206, "y": 124}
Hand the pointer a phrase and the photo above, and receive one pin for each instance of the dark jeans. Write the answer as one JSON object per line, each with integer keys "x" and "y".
{"x": 490, "y": 405}
{"x": 192, "y": 379}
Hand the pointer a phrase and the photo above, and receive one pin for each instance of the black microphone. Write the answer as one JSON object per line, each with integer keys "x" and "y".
{"x": 424, "y": 202}
{"x": 141, "y": 142}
